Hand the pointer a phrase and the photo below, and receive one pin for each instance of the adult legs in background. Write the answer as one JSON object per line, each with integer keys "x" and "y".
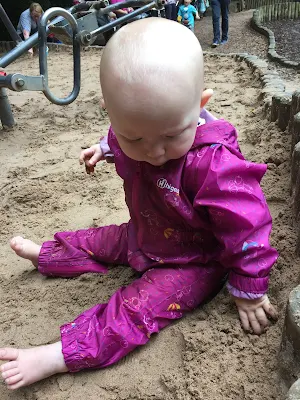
{"x": 168, "y": 11}
{"x": 216, "y": 13}
{"x": 224, "y": 12}
{"x": 173, "y": 12}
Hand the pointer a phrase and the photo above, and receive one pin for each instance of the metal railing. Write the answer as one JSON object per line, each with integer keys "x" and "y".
{"x": 70, "y": 21}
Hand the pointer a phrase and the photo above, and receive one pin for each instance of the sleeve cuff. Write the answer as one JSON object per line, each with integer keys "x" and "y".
{"x": 243, "y": 295}
{"x": 248, "y": 284}
{"x": 106, "y": 151}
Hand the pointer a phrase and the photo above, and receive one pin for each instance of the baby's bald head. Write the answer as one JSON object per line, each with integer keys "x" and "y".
{"x": 151, "y": 67}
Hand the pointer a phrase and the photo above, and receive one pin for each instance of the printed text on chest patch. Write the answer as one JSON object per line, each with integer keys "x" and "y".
{"x": 162, "y": 183}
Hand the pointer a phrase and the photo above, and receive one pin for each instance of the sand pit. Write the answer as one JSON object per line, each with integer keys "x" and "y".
{"x": 43, "y": 190}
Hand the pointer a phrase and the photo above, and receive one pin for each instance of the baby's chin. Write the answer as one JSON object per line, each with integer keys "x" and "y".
{"x": 159, "y": 162}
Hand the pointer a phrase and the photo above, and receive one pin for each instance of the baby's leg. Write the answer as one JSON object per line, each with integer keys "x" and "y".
{"x": 74, "y": 253}
{"x": 27, "y": 366}
{"x": 107, "y": 332}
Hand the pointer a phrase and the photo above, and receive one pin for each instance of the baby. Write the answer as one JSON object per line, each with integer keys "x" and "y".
{"x": 198, "y": 215}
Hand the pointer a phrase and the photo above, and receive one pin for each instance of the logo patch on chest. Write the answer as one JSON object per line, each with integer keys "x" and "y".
{"x": 162, "y": 183}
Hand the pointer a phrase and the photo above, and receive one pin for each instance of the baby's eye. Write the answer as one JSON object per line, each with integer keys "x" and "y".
{"x": 134, "y": 140}
{"x": 173, "y": 137}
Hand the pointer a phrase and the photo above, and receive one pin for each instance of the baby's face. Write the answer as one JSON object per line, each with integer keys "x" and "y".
{"x": 157, "y": 141}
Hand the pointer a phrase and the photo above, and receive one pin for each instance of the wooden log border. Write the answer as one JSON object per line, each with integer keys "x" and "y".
{"x": 253, "y": 4}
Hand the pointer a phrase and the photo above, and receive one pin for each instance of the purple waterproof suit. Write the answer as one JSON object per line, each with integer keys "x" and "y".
{"x": 193, "y": 221}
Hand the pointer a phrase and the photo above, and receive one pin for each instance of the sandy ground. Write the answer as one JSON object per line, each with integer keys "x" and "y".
{"x": 43, "y": 190}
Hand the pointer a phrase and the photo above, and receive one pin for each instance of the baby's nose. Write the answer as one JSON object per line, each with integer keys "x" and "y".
{"x": 155, "y": 151}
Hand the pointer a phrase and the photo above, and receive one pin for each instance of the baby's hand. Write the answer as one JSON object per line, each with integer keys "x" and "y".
{"x": 90, "y": 157}
{"x": 254, "y": 313}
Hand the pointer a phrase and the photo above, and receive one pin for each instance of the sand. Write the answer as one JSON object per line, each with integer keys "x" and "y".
{"x": 43, "y": 190}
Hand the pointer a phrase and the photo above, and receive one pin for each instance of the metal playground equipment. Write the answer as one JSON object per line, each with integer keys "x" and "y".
{"x": 77, "y": 26}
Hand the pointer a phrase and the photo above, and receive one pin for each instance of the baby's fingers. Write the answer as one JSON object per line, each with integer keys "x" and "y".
{"x": 85, "y": 155}
{"x": 270, "y": 310}
{"x": 89, "y": 169}
{"x": 262, "y": 318}
{"x": 255, "y": 324}
{"x": 244, "y": 320}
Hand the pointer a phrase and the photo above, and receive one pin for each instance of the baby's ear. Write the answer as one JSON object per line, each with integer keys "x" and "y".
{"x": 206, "y": 96}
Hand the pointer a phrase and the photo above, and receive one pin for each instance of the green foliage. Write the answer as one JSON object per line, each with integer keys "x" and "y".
{"x": 14, "y": 8}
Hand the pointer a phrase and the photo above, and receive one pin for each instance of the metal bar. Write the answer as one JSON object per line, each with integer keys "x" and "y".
{"x": 133, "y": 3}
{"x": 121, "y": 20}
{"x": 6, "y": 115}
{"x": 9, "y": 26}
{"x": 129, "y": 3}
{"x": 19, "y": 82}
{"x": 5, "y": 82}
{"x": 43, "y": 56}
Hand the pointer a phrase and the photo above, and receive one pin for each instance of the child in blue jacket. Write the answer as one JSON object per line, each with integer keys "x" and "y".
{"x": 187, "y": 14}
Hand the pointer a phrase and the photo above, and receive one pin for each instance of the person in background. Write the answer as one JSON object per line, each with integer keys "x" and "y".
{"x": 28, "y": 22}
{"x": 187, "y": 14}
{"x": 202, "y": 6}
{"x": 171, "y": 9}
{"x": 220, "y": 8}
{"x": 122, "y": 11}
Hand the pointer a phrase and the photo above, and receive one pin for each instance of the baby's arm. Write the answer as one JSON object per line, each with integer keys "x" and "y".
{"x": 241, "y": 223}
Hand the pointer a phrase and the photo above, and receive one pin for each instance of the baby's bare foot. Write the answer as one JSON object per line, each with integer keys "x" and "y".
{"x": 31, "y": 365}
{"x": 26, "y": 249}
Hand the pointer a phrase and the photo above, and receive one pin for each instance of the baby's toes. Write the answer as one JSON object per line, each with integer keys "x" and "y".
{"x": 9, "y": 354}
{"x": 10, "y": 372}
{"x": 16, "y": 385}
{"x": 14, "y": 379}
{"x": 16, "y": 243}
{"x": 9, "y": 365}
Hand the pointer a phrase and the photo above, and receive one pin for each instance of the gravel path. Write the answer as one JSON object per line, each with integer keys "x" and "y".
{"x": 242, "y": 39}
{"x": 287, "y": 34}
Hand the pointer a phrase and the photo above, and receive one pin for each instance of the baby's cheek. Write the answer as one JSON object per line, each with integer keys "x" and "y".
{"x": 181, "y": 149}
{"x": 132, "y": 152}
